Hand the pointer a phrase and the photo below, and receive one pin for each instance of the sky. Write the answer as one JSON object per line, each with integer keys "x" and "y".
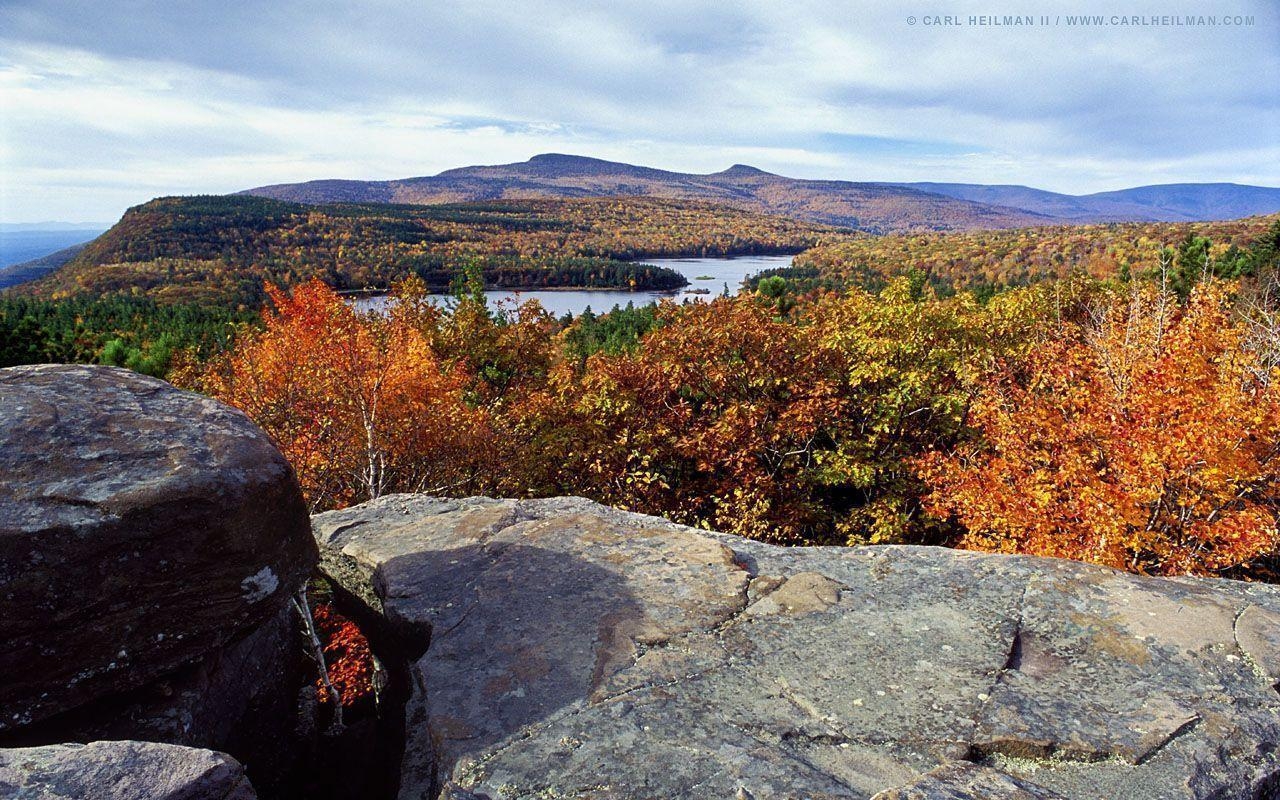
{"x": 104, "y": 105}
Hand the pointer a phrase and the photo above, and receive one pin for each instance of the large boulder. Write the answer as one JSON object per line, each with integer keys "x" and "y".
{"x": 579, "y": 651}
{"x": 143, "y": 530}
{"x": 121, "y": 771}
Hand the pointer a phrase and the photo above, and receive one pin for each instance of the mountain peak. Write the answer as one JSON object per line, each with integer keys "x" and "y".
{"x": 744, "y": 171}
{"x": 565, "y": 160}
{"x": 563, "y": 165}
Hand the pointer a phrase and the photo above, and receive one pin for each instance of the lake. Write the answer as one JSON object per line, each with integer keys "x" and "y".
{"x": 713, "y": 274}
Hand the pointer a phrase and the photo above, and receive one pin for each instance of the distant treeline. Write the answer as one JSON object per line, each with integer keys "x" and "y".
{"x": 987, "y": 262}
{"x": 512, "y": 272}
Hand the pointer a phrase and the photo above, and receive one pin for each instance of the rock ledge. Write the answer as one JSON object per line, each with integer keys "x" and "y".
{"x": 579, "y": 651}
{"x": 150, "y": 540}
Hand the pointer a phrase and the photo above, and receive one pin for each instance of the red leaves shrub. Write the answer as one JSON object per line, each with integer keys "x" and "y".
{"x": 347, "y": 654}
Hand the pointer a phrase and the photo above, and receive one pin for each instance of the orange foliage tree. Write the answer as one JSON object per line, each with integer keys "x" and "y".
{"x": 1145, "y": 439}
{"x": 359, "y": 404}
{"x": 1065, "y": 419}
{"x": 798, "y": 430}
{"x": 712, "y": 421}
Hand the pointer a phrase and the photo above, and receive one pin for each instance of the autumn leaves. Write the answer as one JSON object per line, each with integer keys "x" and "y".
{"x": 1107, "y": 423}
{"x": 360, "y": 405}
{"x": 1144, "y": 438}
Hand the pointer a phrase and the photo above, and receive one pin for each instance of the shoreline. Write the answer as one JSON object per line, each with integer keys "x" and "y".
{"x": 434, "y": 291}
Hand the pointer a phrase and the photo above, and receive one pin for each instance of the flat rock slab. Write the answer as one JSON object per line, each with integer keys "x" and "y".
{"x": 121, "y": 771}
{"x": 579, "y": 651}
{"x": 142, "y": 528}
{"x": 964, "y": 780}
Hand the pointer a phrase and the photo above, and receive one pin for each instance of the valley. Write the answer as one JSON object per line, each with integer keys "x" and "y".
{"x": 18, "y": 246}
{"x": 561, "y": 222}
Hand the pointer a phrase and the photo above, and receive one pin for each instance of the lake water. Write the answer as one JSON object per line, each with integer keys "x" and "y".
{"x": 713, "y": 274}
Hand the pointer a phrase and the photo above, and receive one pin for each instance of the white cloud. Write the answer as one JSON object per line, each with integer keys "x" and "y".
{"x": 105, "y": 106}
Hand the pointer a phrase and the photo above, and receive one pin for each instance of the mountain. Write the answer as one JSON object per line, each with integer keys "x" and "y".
{"x": 872, "y": 207}
{"x": 38, "y": 267}
{"x": 93, "y": 227}
{"x": 1172, "y": 202}
{"x": 20, "y": 245}
{"x": 1195, "y": 201}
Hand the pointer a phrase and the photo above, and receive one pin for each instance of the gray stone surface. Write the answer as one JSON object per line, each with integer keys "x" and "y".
{"x": 965, "y": 780}
{"x": 579, "y": 651}
{"x": 142, "y": 529}
{"x": 120, "y": 770}
{"x": 240, "y": 699}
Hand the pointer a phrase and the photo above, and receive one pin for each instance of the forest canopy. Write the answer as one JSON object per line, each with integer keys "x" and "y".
{"x": 225, "y": 249}
{"x": 1123, "y": 408}
{"x": 1123, "y": 422}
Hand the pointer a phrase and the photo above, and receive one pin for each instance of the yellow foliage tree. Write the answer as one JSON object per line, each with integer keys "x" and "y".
{"x": 1146, "y": 439}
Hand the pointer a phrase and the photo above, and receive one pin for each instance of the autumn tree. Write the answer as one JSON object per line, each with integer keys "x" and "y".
{"x": 905, "y": 371}
{"x": 360, "y": 405}
{"x": 712, "y": 420}
{"x": 1145, "y": 439}
{"x": 798, "y": 429}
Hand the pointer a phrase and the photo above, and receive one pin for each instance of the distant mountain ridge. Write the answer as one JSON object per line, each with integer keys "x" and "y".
{"x": 1170, "y": 202}
{"x": 869, "y": 206}
{"x": 224, "y": 248}
{"x": 37, "y": 268}
{"x": 15, "y": 227}
{"x": 873, "y": 207}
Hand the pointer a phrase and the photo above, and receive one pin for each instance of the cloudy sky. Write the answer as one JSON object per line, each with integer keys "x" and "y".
{"x": 107, "y": 104}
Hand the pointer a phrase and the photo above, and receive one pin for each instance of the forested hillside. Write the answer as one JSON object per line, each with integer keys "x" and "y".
{"x": 988, "y": 261}
{"x": 224, "y": 249}
{"x": 1121, "y": 409}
